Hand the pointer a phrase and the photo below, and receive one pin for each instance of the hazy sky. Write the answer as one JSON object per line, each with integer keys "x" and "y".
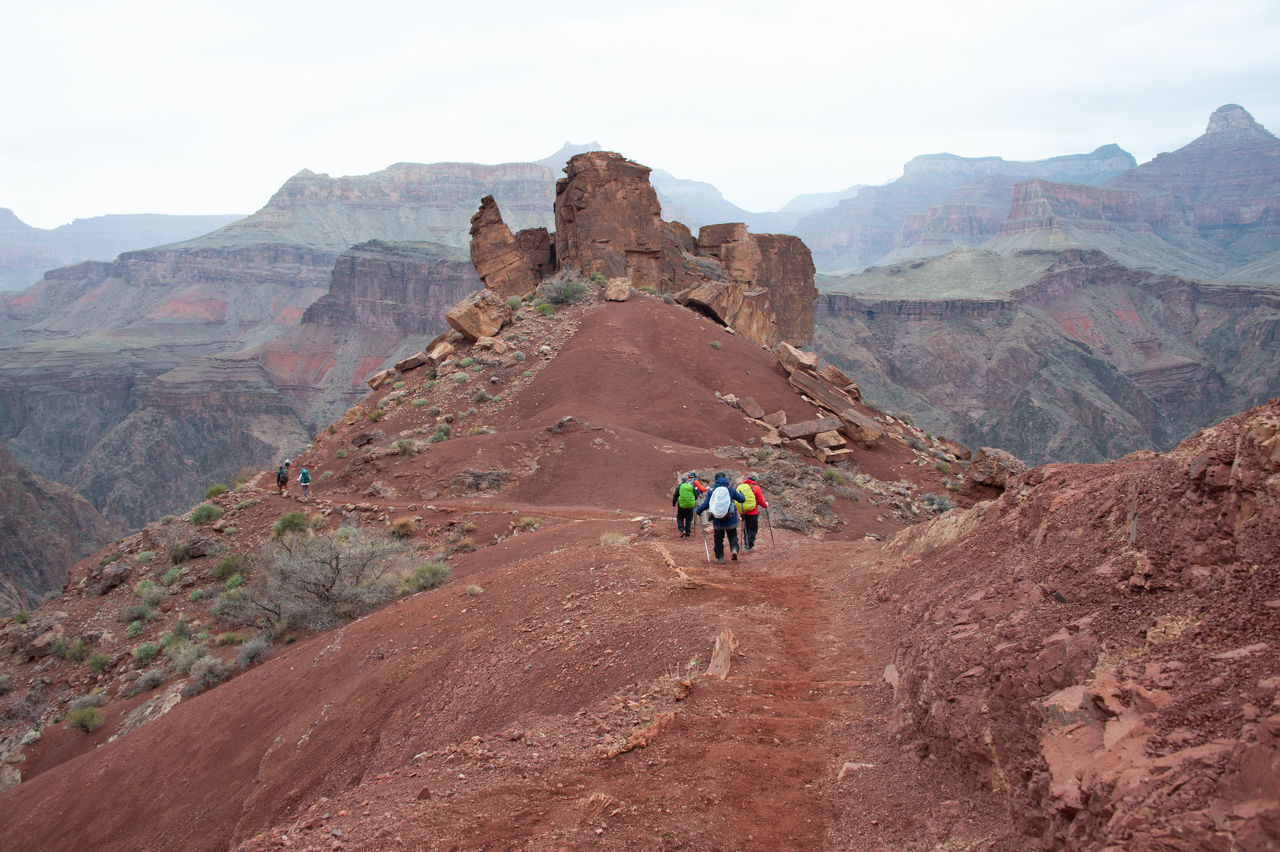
{"x": 174, "y": 107}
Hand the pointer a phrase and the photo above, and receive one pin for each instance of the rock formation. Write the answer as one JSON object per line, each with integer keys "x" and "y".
{"x": 609, "y": 223}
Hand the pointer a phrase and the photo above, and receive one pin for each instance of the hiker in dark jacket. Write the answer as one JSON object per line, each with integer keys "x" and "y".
{"x": 282, "y": 480}
{"x": 728, "y": 523}
{"x": 684, "y": 500}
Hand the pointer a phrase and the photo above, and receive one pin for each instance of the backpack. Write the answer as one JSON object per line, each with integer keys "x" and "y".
{"x": 305, "y": 479}
{"x": 687, "y": 499}
{"x": 720, "y": 501}
{"x": 748, "y": 497}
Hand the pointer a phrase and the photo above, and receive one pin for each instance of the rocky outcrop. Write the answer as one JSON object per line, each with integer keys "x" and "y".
{"x": 1115, "y": 677}
{"x": 482, "y": 314}
{"x": 45, "y": 528}
{"x": 995, "y": 468}
{"x": 609, "y": 223}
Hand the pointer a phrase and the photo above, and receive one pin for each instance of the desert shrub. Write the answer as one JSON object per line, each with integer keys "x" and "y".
{"x": 87, "y": 719}
{"x": 197, "y": 595}
{"x": 229, "y": 603}
{"x": 905, "y": 418}
{"x": 232, "y": 563}
{"x": 145, "y": 556}
{"x": 475, "y": 590}
{"x": 318, "y": 581}
{"x": 108, "y": 559}
{"x": 342, "y": 454}
{"x": 546, "y": 309}
{"x": 513, "y": 302}
{"x": 245, "y": 504}
{"x": 145, "y": 653}
{"x": 97, "y": 662}
{"x": 331, "y": 429}
{"x": 466, "y": 362}
{"x": 434, "y": 411}
{"x": 404, "y": 527}
{"x": 215, "y": 490}
{"x": 376, "y": 415}
{"x": 290, "y": 523}
{"x": 564, "y": 288}
{"x": 462, "y": 545}
{"x": 205, "y": 513}
{"x": 459, "y": 378}
{"x": 208, "y": 672}
{"x": 942, "y": 467}
{"x": 134, "y": 630}
{"x": 77, "y": 650}
{"x": 137, "y": 612}
{"x": 326, "y": 475}
{"x": 669, "y": 298}
{"x": 431, "y": 575}
{"x": 166, "y": 520}
{"x": 528, "y": 522}
{"x": 229, "y": 638}
{"x": 915, "y": 444}
{"x": 234, "y": 582}
{"x": 171, "y": 576}
{"x": 92, "y": 699}
{"x": 715, "y": 344}
{"x": 253, "y": 652}
{"x": 598, "y": 279}
{"x": 477, "y": 368}
{"x": 938, "y": 502}
{"x": 406, "y": 446}
{"x": 441, "y": 434}
{"x": 148, "y": 592}
{"x": 648, "y": 290}
{"x": 517, "y": 356}
{"x": 184, "y": 655}
{"x": 613, "y": 539}
{"x": 398, "y": 385}
{"x": 420, "y": 403}
{"x": 22, "y": 616}
{"x": 147, "y": 680}
{"x": 481, "y": 396}
{"x": 834, "y": 476}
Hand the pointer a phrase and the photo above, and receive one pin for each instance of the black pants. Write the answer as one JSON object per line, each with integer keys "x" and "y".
{"x": 684, "y": 520}
{"x": 750, "y": 526}
{"x": 733, "y": 541}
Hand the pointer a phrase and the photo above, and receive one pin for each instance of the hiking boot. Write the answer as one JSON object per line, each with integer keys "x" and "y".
{"x": 720, "y": 560}
{"x": 734, "y": 556}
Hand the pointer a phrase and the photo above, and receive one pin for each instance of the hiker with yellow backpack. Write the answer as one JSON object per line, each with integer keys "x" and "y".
{"x": 752, "y": 503}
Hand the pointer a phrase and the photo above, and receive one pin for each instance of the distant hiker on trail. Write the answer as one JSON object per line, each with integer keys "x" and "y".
{"x": 724, "y": 517}
{"x": 752, "y": 503}
{"x": 685, "y": 498}
{"x": 282, "y": 480}
{"x": 305, "y": 479}
{"x": 699, "y": 489}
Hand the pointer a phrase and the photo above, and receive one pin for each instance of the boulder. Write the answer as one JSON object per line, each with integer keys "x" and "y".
{"x": 751, "y": 408}
{"x": 829, "y": 440}
{"x": 112, "y": 576}
{"x": 995, "y": 467}
{"x": 778, "y": 263}
{"x": 776, "y": 419}
{"x": 493, "y": 344}
{"x": 793, "y": 359}
{"x": 836, "y": 378}
{"x": 482, "y": 314}
{"x": 438, "y": 353}
{"x": 819, "y": 391}
{"x": 379, "y": 378}
{"x": 619, "y": 290}
{"x": 809, "y": 428}
{"x": 413, "y": 362}
{"x": 745, "y": 311}
{"x": 801, "y": 446}
{"x": 860, "y": 429}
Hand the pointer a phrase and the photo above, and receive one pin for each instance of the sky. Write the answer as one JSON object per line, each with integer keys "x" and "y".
{"x": 137, "y": 106}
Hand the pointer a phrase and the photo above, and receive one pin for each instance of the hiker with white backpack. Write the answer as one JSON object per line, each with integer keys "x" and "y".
{"x": 724, "y": 516}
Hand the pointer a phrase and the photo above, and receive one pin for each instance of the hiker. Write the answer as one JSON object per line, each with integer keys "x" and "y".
{"x": 752, "y": 503}
{"x": 685, "y": 498}
{"x": 305, "y": 479}
{"x": 724, "y": 517}
{"x": 699, "y": 490}
{"x": 282, "y": 480}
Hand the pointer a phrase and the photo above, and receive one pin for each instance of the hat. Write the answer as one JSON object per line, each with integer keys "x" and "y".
{"x": 751, "y": 476}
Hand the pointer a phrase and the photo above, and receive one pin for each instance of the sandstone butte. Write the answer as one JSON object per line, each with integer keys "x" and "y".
{"x": 609, "y": 224}
{"x": 1084, "y": 660}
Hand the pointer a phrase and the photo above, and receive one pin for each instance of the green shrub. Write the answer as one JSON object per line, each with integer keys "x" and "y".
{"x": 834, "y": 476}
{"x": 232, "y": 563}
{"x": 331, "y": 429}
{"x": 77, "y": 650}
{"x": 229, "y": 638}
{"x": 938, "y": 502}
{"x": 466, "y": 362}
{"x": 196, "y": 595}
{"x": 668, "y": 298}
{"x": 563, "y": 289}
{"x": 648, "y": 290}
{"x": 138, "y": 612}
{"x": 215, "y": 490}
{"x": 87, "y": 719}
{"x": 376, "y": 415}
{"x": 342, "y": 454}
{"x": 145, "y": 653}
{"x": 715, "y": 344}
{"x": 60, "y": 647}
{"x": 22, "y": 616}
{"x": 135, "y": 629}
{"x": 183, "y": 655}
{"x": 546, "y": 309}
{"x": 205, "y": 513}
{"x": 513, "y": 302}
{"x": 290, "y": 524}
{"x": 149, "y": 592}
{"x": 108, "y": 559}
{"x": 942, "y": 467}
{"x": 459, "y": 378}
{"x": 529, "y": 522}
{"x": 406, "y": 446}
{"x": 245, "y": 504}
{"x": 398, "y": 385}
{"x": 404, "y": 527}
{"x": 434, "y": 411}
{"x": 517, "y": 356}
{"x": 474, "y": 590}
{"x": 431, "y": 575}
{"x": 234, "y": 582}
{"x": 420, "y": 402}
{"x": 171, "y": 576}
{"x": 905, "y": 418}
{"x": 915, "y": 444}
{"x": 144, "y": 557}
{"x": 97, "y": 662}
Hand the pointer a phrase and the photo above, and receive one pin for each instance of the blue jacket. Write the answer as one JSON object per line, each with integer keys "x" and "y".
{"x": 730, "y": 520}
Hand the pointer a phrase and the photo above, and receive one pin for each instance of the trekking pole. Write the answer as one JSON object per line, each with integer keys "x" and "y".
{"x": 675, "y": 520}
{"x": 770, "y": 521}
{"x": 703, "y": 525}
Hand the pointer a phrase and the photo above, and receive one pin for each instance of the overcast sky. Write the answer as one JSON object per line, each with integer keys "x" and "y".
{"x": 173, "y": 107}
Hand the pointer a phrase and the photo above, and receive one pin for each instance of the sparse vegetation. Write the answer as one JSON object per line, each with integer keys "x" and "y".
{"x": 171, "y": 576}
{"x": 474, "y": 590}
{"x": 207, "y": 672}
{"x": 144, "y": 557}
{"x": 404, "y": 527}
{"x": 564, "y": 288}
{"x": 215, "y": 490}
{"x": 513, "y": 302}
{"x": 905, "y": 418}
{"x": 406, "y": 446}
{"x": 761, "y": 454}
{"x": 108, "y": 559}
{"x": 715, "y": 344}
{"x": 290, "y": 523}
{"x": 649, "y": 291}
{"x": 232, "y": 563}
{"x": 245, "y": 504}
{"x": 599, "y": 280}
{"x": 441, "y": 434}
{"x": 376, "y": 415}
{"x": 916, "y": 444}
{"x": 148, "y": 592}
{"x": 466, "y": 362}
{"x": 420, "y": 403}
{"x": 938, "y": 502}
{"x": 148, "y": 680}
{"x": 459, "y": 378}
{"x": 942, "y": 467}
{"x": 669, "y": 298}
{"x": 205, "y": 513}
{"x": 196, "y": 595}
{"x": 253, "y": 652}
{"x": 613, "y": 539}
{"x": 398, "y": 385}
{"x": 134, "y": 630}
{"x": 22, "y": 616}
{"x": 137, "y": 612}
{"x": 517, "y": 356}
{"x": 528, "y": 522}
{"x": 326, "y": 475}
{"x": 145, "y": 653}
{"x": 183, "y": 655}
{"x": 97, "y": 662}
{"x": 834, "y": 476}
{"x": 87, "y": 719}
{"x": 546, "y": 309}
{"x": 342, "y": 454}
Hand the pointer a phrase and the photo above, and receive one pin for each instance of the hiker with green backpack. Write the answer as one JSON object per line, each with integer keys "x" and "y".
{"x": 724, "y": 516}
{"x": 685, "y": 498}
